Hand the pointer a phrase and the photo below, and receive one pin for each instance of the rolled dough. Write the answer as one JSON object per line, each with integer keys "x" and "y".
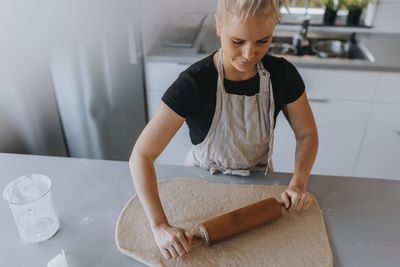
{"x": 296, "y": 239}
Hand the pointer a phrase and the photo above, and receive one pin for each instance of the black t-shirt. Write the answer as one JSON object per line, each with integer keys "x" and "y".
{"x": 193, "y": 94}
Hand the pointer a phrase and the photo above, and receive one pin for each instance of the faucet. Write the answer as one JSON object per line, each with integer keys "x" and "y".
{"x": 299, "y": 40}
{"x": 305, "y": 23}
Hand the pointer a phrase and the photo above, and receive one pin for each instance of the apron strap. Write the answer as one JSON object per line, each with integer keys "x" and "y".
{"x": 221, "y": 75}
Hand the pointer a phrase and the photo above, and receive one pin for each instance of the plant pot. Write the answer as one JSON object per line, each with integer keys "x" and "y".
{"x": 353, "y": 18}
{"x": 329, "y": 16}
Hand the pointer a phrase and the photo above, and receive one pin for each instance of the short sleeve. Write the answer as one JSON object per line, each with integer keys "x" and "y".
{"x": 181, "y": 95}
{"x": 295, "y": 85}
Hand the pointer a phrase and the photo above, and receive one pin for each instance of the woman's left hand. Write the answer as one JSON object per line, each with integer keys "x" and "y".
{"x": 296, "y": 199}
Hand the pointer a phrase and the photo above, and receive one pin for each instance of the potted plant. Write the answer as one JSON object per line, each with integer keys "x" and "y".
{"x": 331, "y": 8}
{"x": 355, "y": 8}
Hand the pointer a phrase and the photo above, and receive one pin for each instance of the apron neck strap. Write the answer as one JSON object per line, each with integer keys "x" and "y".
{"x": 220, "y": 69}
{"x": 262, "y": 72}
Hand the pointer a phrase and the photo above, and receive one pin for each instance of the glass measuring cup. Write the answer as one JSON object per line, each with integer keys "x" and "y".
{"x": 29, "y": 198}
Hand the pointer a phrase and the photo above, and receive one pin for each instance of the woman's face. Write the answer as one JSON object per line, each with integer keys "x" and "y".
{"x": 244, "y": 43}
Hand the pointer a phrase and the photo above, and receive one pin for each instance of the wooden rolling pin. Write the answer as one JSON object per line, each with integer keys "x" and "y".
{"x": 238, "y": 221}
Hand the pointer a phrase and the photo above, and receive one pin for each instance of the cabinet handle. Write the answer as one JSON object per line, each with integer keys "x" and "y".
{"x": 318, "y": 100}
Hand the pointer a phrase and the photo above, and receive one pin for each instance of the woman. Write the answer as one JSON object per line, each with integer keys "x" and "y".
{"x": 230, "y": 101}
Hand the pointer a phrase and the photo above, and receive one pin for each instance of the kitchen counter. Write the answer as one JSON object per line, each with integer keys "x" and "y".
{"x": 362, "y": 216}
{"x": 383, "y": 46}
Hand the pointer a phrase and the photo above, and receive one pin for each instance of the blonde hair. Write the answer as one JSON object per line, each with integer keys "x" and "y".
{"x": 243, "y": 9}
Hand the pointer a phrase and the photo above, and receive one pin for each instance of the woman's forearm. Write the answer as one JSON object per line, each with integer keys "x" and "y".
{"x": 306, "y": 151}
{"x": 151, "y": 142}
{"x": 145, "y": 182}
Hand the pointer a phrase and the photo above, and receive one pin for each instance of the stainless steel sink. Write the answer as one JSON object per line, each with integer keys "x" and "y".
{"x": 323, "y": 45}
{"x": 282, "y": 44}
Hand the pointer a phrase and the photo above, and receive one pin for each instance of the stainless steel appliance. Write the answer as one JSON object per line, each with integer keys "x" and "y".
{"x": 99, "y": 90}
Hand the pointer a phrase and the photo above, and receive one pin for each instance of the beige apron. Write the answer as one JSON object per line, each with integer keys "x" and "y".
{"x": 240, "y": 138}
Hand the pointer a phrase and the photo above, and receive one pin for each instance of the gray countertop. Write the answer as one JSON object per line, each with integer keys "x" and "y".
{"x": 383, "y": 46}
{"x": 362, "y": 216}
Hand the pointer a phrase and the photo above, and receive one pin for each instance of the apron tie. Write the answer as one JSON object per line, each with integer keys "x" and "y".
{"x": 215, "y": 168}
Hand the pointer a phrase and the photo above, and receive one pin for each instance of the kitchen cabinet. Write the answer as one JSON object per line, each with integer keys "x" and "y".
{"x": 284, "y": 146}
{"x": 380, "y": 153}
{"x": 388, "y": 88}
{"x": 339, "y": 84}
{"x": 384, "y": 116}
{"x": 159, "y": 76}
{"x": 341, "y": 102}
{"x": 340, "y": 128}
{"x": 358, "y": 119}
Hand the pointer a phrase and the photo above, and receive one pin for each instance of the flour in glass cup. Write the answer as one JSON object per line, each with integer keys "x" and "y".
{"x": 29, "y": 198}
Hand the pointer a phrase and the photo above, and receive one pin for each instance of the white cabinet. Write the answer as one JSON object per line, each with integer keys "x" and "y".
{"x": 340, "y": 129}
{"x": 340, "y": 114}
{"x": 380, "y": 152}
{"x": 388, "y": 88}
{"x": 380, "y": 155}
{"x": 340, "y": 84}
{"x": 384, "y": 117}
{"x": 159, "y": 76}
{"x": 284, "y": 146}
{"x": 341, "y": 102}
{"x": 338, "y": 151}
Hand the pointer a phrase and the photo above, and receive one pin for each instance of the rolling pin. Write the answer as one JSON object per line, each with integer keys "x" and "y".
{"x": 238, "y": 221}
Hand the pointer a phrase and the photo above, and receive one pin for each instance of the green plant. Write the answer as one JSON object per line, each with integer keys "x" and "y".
{"x": 331, "y": 3}
{"x": 356, "y": 4}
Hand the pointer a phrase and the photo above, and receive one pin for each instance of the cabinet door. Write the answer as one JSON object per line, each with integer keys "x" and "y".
{"x": 159, "y": 76}
{"x": 380, "y": 155}
{"x": 340, "y": 128}
{"x": 284, "y": 146}
{"x": 388, "y": 88}
{"x": 340, "y": 114}
{"x": 176, "y": 151}
{"x": 338, "y": 151}
{"x": 385, "y": 117}
{"x": 340, "y": 84}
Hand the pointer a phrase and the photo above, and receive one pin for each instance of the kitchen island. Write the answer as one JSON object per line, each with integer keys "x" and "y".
{"x": 362, "y": 216}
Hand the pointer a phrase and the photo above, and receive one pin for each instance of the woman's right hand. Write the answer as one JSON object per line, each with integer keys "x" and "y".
{"x": 172, "y": 241}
